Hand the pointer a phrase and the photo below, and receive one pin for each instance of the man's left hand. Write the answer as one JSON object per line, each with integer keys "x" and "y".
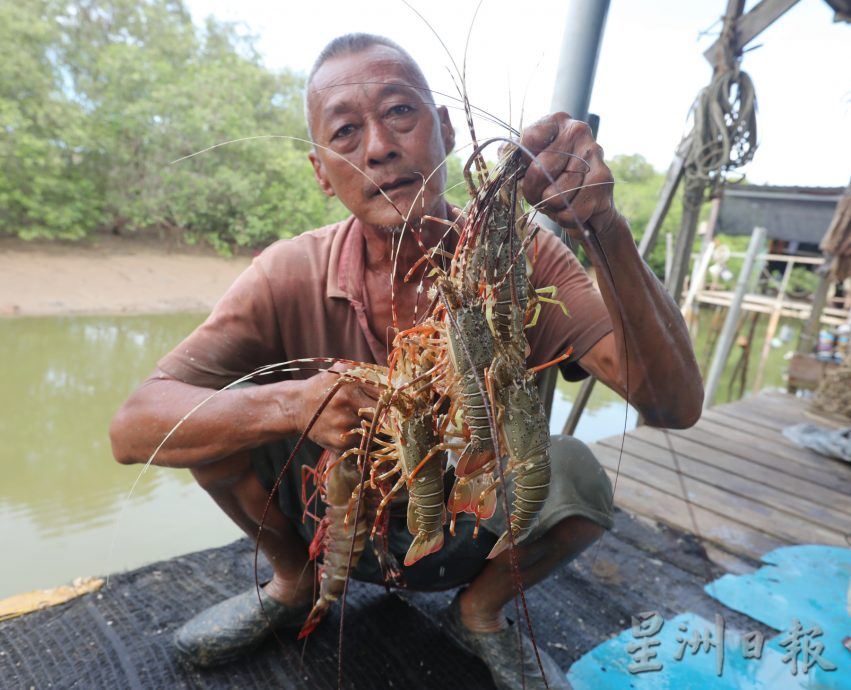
{"x": 568, "y": 180}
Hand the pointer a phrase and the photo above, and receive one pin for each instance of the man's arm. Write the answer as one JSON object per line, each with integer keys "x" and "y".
{"x": 230, "y": 421}
{"x": 648, "y": 357}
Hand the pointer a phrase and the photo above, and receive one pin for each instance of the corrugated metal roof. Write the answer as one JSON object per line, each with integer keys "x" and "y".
{"x": 792, "y": 214}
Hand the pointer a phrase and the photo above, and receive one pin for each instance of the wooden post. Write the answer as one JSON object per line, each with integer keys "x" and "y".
{"x": 666, "y": 196}
{"x": 685, "y": 239}
{"x": 578, "y": 406}
{"x": 770, "y": 330}
{"x": 809, "y": 334}
{"x": 669, "y": 249}
{"x": 728, "y": 331}
{"x": 714, "y": 213}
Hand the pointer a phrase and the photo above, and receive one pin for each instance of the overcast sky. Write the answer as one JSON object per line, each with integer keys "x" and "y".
{"x": 650, "y": 70}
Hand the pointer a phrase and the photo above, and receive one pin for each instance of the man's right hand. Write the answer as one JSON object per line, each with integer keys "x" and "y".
{"x": 332, "y": 428}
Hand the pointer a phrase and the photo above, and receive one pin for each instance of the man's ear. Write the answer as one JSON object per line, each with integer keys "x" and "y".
{"x": 447, "y": 131}
{"x": 319, "y": 173}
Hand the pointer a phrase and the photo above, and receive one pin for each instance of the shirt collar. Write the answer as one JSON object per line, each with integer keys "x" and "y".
{"x": 345, "y": 262}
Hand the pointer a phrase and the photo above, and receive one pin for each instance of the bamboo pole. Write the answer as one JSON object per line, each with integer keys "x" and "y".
{"x": 773, "y": 320}
{"x": 725, "y": 340}
{"x": 669, "y": 249}
{"x": 698, "y": 280}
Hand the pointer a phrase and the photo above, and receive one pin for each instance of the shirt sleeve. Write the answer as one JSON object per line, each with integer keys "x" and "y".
{"x": 240, "y": 335}
{"x": 558, "y": 275}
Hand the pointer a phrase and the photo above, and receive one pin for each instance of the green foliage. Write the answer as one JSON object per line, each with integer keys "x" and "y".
{"x": 98, "y": 97}
{"x": 44, "y": 187}
{"x": 802, "y": 282}
{"x": 104, "y": 105}
{"x": 456, "y": 187}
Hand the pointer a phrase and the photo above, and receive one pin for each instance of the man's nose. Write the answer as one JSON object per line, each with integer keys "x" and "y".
{"x": 381, "y": 145}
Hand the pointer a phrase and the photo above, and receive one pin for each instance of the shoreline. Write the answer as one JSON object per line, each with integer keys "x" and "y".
{"x": 111, "y": 276}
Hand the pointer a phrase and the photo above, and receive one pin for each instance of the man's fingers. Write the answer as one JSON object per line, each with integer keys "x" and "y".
{"x": 565, "y": 156}
{"x": 539, "y": 135}
{"x": 563, "y": 177}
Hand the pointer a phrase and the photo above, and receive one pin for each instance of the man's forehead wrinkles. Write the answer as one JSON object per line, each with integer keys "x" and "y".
{"x": 347, "y": 102}
{"x": 387, "y": 87}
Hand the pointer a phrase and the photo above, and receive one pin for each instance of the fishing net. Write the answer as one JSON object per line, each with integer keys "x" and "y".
{"x": 121, "y": 637}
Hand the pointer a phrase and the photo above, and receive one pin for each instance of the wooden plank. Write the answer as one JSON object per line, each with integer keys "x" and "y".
{"x": 745, "y": 451}
{"x": 778, "y": 406}
{"x": 729, "y": 534}
{"x": 792, "y": 310}
{"x": 767, "y": 469}
{"x": 776, "y": 403}
{"x": 803, "y": 410}
{"x": 775, "y": 417}
{"x": 757, "y": 418}
{"x": 737, "y": 421}
{"x": 773, "y": 413}
{"x": 771, "y": 445}
{"x": 776, "y": 410}
{"x": 727, "y": 476}
{"x": 771, "y": 454}
{"x": 775, "y": 522}
{"x": 741, "y": 424}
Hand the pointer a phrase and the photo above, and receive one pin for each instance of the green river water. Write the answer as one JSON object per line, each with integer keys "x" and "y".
{"x": 64, "y": 506}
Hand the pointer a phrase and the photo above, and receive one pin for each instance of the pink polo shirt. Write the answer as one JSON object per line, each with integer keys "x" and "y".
{"x": 305, "y": 297}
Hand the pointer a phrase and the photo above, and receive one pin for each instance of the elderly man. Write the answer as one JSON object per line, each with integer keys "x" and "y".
{"x": 327, "y": 293}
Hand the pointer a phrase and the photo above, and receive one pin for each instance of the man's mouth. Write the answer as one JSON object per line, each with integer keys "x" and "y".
{"x": 398, "y": 183}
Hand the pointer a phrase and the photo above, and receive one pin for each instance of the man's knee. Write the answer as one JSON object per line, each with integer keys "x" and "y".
{"x": 578, "y": 484}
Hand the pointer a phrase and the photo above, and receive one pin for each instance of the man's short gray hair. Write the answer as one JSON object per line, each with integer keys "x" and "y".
{"x": 349, "y": 44}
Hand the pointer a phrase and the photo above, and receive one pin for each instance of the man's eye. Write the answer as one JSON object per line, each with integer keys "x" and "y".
{"x": 343, "y": 131}
{"x": 402, "y": 109}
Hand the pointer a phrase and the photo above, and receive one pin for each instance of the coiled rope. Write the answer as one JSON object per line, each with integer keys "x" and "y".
{"x": 724, "y": 134}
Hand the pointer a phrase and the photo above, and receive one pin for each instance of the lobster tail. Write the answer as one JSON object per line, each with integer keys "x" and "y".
{"x": 423, "y": 545}
{"x": 475, "y": 494}
{"x": 317, "y": 613}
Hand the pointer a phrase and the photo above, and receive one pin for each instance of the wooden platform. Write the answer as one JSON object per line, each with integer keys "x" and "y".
{"x": 734, "y": 480}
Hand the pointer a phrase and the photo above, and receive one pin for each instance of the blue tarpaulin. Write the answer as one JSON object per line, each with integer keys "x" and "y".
{"x": 810, "y": 584}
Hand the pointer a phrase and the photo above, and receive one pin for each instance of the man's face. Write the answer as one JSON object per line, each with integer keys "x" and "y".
{"x": 376, "y": 131}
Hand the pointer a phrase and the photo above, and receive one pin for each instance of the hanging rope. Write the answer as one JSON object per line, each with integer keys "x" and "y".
{"x": 724, "y": 113}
